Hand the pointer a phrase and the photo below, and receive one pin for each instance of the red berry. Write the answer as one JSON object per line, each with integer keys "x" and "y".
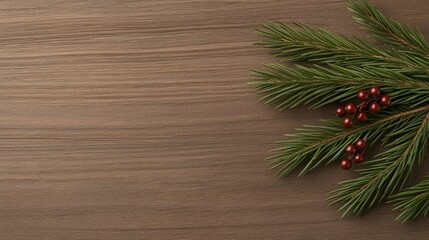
{"x": 374, "y": 107}
{"x": 358, "y": 158}
{"x": 340, "y": 111}
{"x": 348, "y": 121}
{"x": 350, "y": 149}
{"x": 362, "y": 95}
{"x": 350, "y": 108}
{"x": 374, "y": 91}
{"x": 362, "y": 116}
{"x": 346, "y": 163}
{"x": 385, "y": 100}
{"x": 360, "y": 144}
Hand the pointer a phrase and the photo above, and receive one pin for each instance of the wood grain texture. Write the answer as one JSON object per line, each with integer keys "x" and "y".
{"x": 133, "y": 120}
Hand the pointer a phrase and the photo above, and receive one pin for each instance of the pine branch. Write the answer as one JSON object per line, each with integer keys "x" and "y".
{"x": 389, "y": 172}
{"x": 303, "y": 43}
{"x": 287, "y": 87}
{"x": 316, "y": 145}
{"x": 388, "y": 30}
{"x": 413, "y": 202}
{"x": 340, "y": 67}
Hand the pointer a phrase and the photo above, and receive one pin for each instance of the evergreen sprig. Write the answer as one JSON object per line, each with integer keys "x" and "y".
{"x": 388, "y": 30}
{"x": 288, "y": 87}
{"x": 389, "y": 171}
{"x": 413, "y": 202}
{"x": 332, "y": 68}
{"x": 303, "y": 43}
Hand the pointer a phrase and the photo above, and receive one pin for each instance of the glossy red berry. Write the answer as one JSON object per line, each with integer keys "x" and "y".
{"x": 360, "y": 144}
{"x": 362, "y": 116}
{"x": 350, "y": 108}
{"x": 350, "y": 149}
{"x": 374, "y": 91}
{"x": 362, "y": 95}
{"x": 374, "y": 107}
{"x": 358, "y": 158}
{"x": 346, "y": 164}
{"x": 385, "y": 100}
{"x": 348, "y": 121}
{"x": 340, "y": 111}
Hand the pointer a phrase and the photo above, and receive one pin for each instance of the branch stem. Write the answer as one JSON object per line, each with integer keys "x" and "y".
{"x": 395, "y": 36}
{"x": 355, "y": 53}
{"x": 387, "y": 119}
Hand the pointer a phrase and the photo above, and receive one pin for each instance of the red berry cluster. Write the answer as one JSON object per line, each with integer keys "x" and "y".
{"x": 356, "y": 152}
{"x": 372, "y": 101}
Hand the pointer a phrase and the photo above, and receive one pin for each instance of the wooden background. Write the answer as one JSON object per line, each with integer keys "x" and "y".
{"x": 133, "y": 120}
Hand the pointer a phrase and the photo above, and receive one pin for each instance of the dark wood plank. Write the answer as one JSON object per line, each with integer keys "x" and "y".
{"x": 133, "y": 120}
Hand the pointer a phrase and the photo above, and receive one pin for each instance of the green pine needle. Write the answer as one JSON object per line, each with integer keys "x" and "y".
{"x": 389, "y": 171}
{"x": 332, "y": 68}
{"x": 388, "y": 30}
{"x": 287, "y": 87}
{"x": 302, "y": 43}
{"x": 412, "y": 202}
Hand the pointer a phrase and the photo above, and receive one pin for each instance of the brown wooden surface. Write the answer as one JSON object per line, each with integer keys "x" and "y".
{"x": 133, "y": 120}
